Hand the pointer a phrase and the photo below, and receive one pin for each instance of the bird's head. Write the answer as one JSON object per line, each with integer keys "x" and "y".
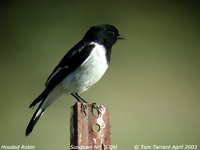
{"x": 103, "y": 34}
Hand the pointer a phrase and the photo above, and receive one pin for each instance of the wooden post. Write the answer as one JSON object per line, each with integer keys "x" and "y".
{"x": 89, "y": 127}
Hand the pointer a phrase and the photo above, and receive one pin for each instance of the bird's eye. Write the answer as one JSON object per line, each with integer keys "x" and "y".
{"x": 111, "y": 33}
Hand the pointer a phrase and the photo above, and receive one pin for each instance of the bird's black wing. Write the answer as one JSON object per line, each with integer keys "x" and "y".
{"x": 70, "y": 62}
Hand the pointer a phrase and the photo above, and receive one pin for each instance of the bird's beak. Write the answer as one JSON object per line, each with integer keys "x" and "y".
{"x": 120, "y": 37}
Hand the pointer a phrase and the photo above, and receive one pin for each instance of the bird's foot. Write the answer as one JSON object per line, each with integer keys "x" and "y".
{"x": 96, "y": 109}
{"x": 84, "y": 108}
{"x": 82, "y": 101}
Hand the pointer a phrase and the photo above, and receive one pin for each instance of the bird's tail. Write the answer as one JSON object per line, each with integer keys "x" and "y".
{"x": 38, "y": 113}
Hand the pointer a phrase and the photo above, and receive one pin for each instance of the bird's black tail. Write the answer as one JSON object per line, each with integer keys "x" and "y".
{"x": 34, "y": 120}
{"x": 38, "y": 113}
{"x": 39, "y": 98}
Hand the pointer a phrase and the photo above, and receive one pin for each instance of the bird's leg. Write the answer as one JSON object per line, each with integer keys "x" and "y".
{"x": 78, "y": 98}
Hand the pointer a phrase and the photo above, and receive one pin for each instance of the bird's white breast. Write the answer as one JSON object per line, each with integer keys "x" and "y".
{"x": 89, "y": 72}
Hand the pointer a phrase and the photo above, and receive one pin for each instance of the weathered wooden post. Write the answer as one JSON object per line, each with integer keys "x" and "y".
{"x": 89, "y": 127}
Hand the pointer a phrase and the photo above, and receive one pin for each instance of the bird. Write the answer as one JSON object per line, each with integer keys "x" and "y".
{"x": 81, "y": 67}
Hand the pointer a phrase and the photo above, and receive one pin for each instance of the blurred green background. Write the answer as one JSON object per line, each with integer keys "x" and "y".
{"x": 152, "y": 87}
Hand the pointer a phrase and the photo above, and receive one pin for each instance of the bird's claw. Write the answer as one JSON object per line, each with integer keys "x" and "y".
{"x": 98, "y": 108}
{"x": 83, "y": 108}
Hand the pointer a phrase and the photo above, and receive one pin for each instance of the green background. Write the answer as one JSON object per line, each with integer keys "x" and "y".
{"x": 152, "y": 87}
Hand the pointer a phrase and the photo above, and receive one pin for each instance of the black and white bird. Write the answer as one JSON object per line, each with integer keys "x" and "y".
{"x": 78, "y": 70}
